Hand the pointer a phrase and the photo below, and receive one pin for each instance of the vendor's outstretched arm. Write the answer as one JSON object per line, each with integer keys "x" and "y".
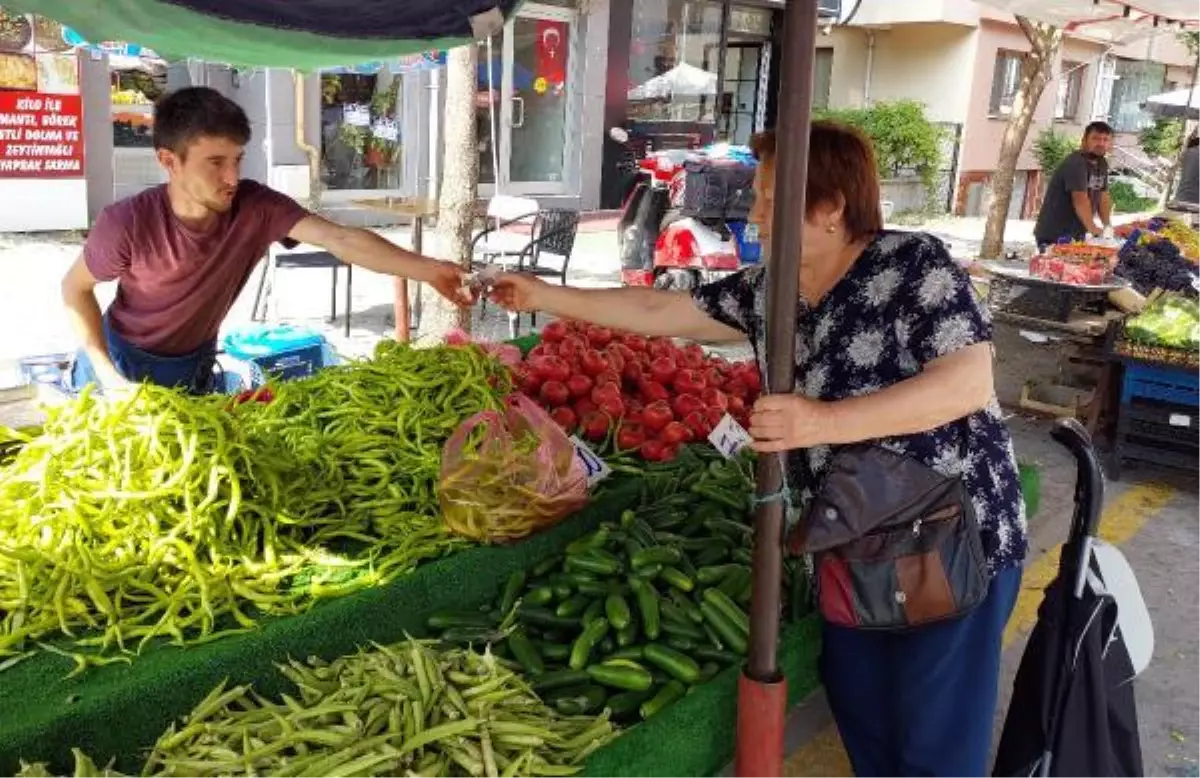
{"x": 366, "y": 249}
{"x": 652, "y": 312}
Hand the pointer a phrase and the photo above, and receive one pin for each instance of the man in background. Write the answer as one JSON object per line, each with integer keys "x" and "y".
{"x": 1078, "y": 192}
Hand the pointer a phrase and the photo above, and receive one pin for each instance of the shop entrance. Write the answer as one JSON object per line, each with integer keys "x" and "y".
{"x": 526, "y": 129}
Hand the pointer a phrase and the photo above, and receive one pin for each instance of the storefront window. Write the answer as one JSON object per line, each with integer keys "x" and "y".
{"x": 673, "y": 61}
{"x": 360, "y": 131}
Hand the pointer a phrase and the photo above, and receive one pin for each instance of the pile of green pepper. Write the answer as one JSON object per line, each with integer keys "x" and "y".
{"x": 404, "y": 709}
{"x": 635, "y": 613}
{"x": 167, "y": 516}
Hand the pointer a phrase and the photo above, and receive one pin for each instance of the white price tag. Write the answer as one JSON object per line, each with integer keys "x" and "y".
{"x": 1180, "y": 420}
{"x": 386, "y": 130}
{"x": 729, "y": 437}
{"x": 356, "y": 115}
{"x": 593, "y": 465}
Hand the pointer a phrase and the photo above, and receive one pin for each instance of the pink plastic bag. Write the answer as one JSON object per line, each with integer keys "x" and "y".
{"x": 506, "y": 474}
{"x": 506, "y": 353}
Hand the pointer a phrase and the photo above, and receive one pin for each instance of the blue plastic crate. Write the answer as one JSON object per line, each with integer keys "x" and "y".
{"x": 52, "y": 370}
{"x": 282, "y": 352}
{"x": 1173, "y": 385}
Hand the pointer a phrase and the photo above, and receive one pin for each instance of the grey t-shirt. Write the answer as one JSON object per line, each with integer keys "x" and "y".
{"x": 1077, "y": 173}
{"x": 1189, "y": 178}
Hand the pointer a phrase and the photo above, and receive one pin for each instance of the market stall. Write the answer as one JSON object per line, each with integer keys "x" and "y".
{"x": 1078, "y": 298}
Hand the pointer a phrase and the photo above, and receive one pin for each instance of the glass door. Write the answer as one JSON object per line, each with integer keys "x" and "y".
{"x": 540, "y": 142}
{"x": 525, "y": 134}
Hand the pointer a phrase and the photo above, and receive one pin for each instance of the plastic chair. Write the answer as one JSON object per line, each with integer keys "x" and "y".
{"x": 509, "y": 226}
{"x": 546, "y": 255}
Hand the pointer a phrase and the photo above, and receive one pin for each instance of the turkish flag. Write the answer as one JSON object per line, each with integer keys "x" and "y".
{"x": 552, "y": 51}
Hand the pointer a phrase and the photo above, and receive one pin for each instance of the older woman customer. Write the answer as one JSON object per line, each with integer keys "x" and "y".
{"x": 892, "y": 346}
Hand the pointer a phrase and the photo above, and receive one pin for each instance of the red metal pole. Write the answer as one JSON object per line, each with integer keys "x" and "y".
{"x": 762, "y": 692}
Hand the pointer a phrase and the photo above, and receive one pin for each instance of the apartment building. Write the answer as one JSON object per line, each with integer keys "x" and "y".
{"x": 962, "y": 60}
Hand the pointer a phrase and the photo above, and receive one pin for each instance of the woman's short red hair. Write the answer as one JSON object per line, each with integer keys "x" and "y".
{"x": 841, "y": 171}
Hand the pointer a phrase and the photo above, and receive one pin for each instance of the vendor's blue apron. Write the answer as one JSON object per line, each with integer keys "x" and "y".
{"x": 192, "y": 372}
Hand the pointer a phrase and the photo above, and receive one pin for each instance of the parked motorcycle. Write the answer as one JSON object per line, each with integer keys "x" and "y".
{"x": 684, "y": 221}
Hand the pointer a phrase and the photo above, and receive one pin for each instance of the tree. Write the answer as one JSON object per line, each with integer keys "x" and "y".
{"x": 1051, "y": 147}
{"x": 1036, "y": 67}
{"x": 459, "y": 187}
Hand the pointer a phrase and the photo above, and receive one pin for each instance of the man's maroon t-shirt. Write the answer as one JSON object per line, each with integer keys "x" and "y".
{"x": 175, "y": 284}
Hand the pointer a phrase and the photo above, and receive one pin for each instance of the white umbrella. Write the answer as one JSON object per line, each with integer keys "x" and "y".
{"x": 1180, "y": 104}
{"x": 1109, "y": 21}
{"x": 683, "y": 80}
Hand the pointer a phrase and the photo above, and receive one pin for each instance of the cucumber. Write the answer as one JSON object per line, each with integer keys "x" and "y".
{"x": 545, "y": 618}
{"x": 647, "y": 602}
{"x": 681, "y": 643}
{"x": 648, "y": 572}
{"x": 449, "y": 619}
{"x": 512, "y": 590}
{"x": 626, "y": 704}
{"x": 668, "y": 694}
{"x": 711, "y": 555}
{"x": 709, "y": 671}
{"x": 592, "y": 562}
{"x": 686, "y": 630}
{"x": 559, "y": 679}
{"x": 628, "y": 636}
{"x": 581, "y": 650}
{"x": 733, "y": 638}
{"x": 593, "y": 612}
{"x": 573, "y": 606}
{"x": 546, "y": 565}
{"x": 716, "y": 655}
{"x": 675, "y": 577}
{"x": 538, "y": 596}
{"x": 617, "y": 611}
{"x": 593, "y": 588}
{"x": 589, "y": 542}
{"x": 728, "y": 608}
{"x": 712, "y": 574}
{"x": 627, "y": 652}
{"x": 658, "y": 555}
{"x": 525, "y": 653}
{"x": 626, "y": 675}
{"x": 554, "y": 652}
{"x": 677, "y": 664}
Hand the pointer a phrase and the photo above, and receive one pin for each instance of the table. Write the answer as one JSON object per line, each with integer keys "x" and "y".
{"x": 417, "y": 209}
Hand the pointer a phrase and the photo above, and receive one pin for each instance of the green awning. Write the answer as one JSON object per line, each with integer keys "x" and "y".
{"x": 301, "y": 34}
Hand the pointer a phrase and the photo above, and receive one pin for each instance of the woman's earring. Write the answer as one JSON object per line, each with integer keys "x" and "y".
{"x": 830, "y": 228}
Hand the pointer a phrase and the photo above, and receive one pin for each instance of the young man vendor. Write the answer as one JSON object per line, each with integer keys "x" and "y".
{"x": 181, "y": 252}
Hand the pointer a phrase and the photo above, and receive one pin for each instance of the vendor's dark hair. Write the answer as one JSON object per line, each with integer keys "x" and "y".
{"x": 1100, "y": 128}
{"x": 187, "y": 114}
{"x": 841, "y": 171}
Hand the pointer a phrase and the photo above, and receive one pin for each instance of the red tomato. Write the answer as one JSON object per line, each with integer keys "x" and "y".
{"x": 552, "y": 369}
{"x": 698, "y": 424}
{"x": 630, "y": 436}
{"x": 661, "y": 347}
{"x": 554, "y": 331}
{"x": 633, "y": 405}
{"x": 565, "y": 418}
{"x": 688, "y": 382}
{"x": 652, "y": 391}
{"x": 603, "y": 391}
{"x": 675, "y": 432}
{"x": 584, "y": 406}
{"x": 635, "y": 343}
{"x": 531, "y": 385}
{"x": 571, "y": 348}
{"x": 714, "y": 397}
{"x": 539, "y": 351}
{"x": 632, "y": 373}
{"x": 670, "y": 451}
{"x": 735, "y": 388}
{"x": 595, "y": 426}
{"x": 554, "y": 393}
{"x": 736, "y": 405}
{"x": 632, "y": 416}
{"x": 657, "y": 415}
{"x": 599, "y": 337}
{"x": 712, "y": 376}
{"x": 693, "y": 356}
{"x": 615, "y": 360}
{"x": 663, "y": 370}
{"x": 579, "y": 385}
{"x": 593, "y": 362}
{"x": 614, "y": 407}
{"x": 713, "y": 416}
{"x": 750, "y": 377}
{"x": 617, "y": 347}
{"x": 685, "y": 404}
{"x": 609, "y": 377}
{"x": 653, "y": 451}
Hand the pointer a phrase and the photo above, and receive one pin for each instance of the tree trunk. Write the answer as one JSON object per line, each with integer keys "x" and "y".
{"x": 459, "y": 188}
{"x": 1036, "y": 67}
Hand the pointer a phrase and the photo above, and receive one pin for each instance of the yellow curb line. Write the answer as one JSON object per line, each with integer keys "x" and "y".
{"x": 1124, "y": 517}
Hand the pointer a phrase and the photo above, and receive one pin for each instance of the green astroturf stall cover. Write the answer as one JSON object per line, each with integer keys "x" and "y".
{"x": 302, "y": 34}
{"x": 120, "y": 710}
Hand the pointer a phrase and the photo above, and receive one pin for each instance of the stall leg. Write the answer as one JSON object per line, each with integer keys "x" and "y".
{"x": 760, "y": 726}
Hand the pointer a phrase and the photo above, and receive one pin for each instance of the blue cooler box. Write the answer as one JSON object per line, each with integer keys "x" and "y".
{"x": 280, "y": 351}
